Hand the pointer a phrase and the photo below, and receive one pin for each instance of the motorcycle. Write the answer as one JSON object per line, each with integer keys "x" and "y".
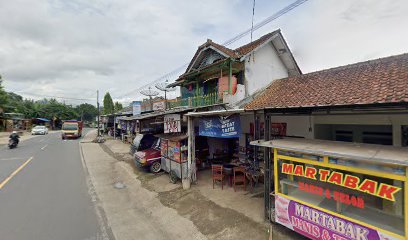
{"x": 12, "y": 143}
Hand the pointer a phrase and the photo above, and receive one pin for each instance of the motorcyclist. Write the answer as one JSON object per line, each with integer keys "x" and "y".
{"x": 14, "y": 136}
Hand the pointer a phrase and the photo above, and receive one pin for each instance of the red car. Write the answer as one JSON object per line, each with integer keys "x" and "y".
{"x": 148, "y": 157}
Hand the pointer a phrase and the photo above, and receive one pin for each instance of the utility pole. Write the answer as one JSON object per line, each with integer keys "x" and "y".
{"x": 114, "y": 125}
{"x": 97, "y": 105}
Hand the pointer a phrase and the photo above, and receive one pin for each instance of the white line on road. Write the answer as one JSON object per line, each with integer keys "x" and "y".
{"x": 44, "y": 147}
{"x": 15, "y": 172}
{"x": 8, "y": 159}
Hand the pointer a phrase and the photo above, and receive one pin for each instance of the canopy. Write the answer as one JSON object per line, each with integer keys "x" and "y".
{"x": 374, "y": 153}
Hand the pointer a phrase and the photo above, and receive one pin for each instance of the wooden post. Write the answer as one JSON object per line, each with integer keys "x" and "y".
{"x": 190, "y": 133}
{"x": 230, "y": 76}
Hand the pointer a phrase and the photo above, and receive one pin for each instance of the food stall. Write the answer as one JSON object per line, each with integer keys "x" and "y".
{"x": 338, "y": 190}
{"x": 174, "y": 155}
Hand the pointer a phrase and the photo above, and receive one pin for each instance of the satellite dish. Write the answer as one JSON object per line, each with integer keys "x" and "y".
{"x": 149, "y": 92}
{"x": 163, "y": 87}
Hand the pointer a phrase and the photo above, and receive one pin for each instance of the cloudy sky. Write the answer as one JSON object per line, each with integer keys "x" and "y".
{"x": 72, "y": 48}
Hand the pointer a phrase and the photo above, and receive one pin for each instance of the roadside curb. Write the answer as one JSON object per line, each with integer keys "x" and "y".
{"x": 106, "y": 230}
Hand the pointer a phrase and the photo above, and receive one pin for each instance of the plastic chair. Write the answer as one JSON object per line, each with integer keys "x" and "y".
{"x": 218, "y": 174}
{"x": 239, "y": 177}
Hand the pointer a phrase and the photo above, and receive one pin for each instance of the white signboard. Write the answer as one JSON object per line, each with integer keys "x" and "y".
{"x": 172, "y": 123}
{"x": 137, "y": 108}
{"x": 158, "y": 106}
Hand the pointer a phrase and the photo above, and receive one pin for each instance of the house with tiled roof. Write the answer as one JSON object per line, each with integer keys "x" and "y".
{"x": 219, "y": 75}
{"x": 361, "y": 102}
{"x": 352, "y": 118}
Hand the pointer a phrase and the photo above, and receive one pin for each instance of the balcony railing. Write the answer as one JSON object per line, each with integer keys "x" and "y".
{"x": 196, "y": 101}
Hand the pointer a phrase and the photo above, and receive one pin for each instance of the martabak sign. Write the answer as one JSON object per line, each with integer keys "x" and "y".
{"x": 319, "y": 225}
{"x": 367, "y": 185}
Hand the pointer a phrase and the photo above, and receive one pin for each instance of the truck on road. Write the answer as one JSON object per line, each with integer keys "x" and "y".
{"x": 71, "y": 129}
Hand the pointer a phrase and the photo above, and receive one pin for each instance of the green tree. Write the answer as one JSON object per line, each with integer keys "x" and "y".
{"x": 87, "y": 111}
{"x": 108, "y": 106}
{"x": 3, "y": 96}
{"x": 118, "y": 106}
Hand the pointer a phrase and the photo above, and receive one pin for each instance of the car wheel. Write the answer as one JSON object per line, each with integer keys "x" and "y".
{"x": 155, "y": 167}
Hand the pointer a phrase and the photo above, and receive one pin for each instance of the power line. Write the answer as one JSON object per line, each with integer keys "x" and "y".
{"x": 276, "y": 15}
{"x": 253, "y": 15}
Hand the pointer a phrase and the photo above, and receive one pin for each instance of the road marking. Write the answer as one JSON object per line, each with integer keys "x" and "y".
{"x": 42, "y": 140}
{"x": 8, "y": 159}
{"x": 44, "y": 147}
{"x": 15, "y": 172}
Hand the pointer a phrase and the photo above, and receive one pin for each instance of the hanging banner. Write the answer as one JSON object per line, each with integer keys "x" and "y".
{"x": 137, "y": 107}
{"x": 316, "y": 224}
{"x": 220, "y": 126}
{"x": 159, "y": 106}
{"x": 172, "y": 123}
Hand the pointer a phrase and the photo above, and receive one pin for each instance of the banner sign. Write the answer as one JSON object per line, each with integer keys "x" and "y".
{"x": 368, "y": 186}
{"x": 316, "y": 224}
{"x": 137, "y": 107}
{"x": 220, "y": 126}
{"x": 278, "y": 129}
{"x": 158, "y": 106}
{"x": 172, "y": 123}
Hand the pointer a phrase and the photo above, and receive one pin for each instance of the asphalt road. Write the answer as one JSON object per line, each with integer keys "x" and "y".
{"x": 44, "y": 193}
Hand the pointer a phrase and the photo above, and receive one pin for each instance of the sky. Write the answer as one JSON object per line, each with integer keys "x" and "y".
{"x": 72, "y": 48}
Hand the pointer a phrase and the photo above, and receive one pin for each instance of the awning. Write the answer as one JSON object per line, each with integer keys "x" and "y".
{"x": 161, "y": 113}
{"x": 362, "y": 152}
{"x": 173, "y": 138}
{"x": 215, "y": 113}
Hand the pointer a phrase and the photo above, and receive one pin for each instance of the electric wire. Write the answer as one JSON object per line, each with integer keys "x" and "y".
{"x": 255, "y": 27}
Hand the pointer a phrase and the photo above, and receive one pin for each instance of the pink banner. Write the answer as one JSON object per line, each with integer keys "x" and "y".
{"x": 316, "y": 224}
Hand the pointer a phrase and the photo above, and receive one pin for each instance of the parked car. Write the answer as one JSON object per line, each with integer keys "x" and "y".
{"x": 42, "y": 130}
{"x": 147, "y": 152}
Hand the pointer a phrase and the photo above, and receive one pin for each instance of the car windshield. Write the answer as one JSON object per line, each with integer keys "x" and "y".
{"x": 69, "y": 127}
{"x": 39, "y": 128}
{"x": 156, "y": 144}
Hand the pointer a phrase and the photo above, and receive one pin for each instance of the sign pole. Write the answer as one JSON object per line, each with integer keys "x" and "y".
{"x": 97, "y": 105}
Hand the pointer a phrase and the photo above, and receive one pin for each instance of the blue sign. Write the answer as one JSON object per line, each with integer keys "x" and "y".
{"x": 136, "y": 107}
{"x": 220, "y": 126}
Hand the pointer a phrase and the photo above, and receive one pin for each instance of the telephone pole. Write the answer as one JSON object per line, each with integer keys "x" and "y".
{"x": 97, "y": 105}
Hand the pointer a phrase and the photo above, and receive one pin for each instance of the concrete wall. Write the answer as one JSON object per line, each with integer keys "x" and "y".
{"x": 319, "y": 126}
{"x": 394, "y": 120}
{"x": 261, "y": 67}
{"x": 297, "y": 126}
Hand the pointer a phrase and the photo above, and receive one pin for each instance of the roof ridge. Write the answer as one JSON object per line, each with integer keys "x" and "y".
{"x": 358, "y": 64}
{"x": 375, "y": 81}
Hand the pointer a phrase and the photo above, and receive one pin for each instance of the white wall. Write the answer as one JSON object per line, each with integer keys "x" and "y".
{"x": 394, "y": 120}
{"x": 263, "y": 66}
{"x": 297, "y": 126}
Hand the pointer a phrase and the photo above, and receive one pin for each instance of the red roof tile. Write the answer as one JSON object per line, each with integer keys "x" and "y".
{"x": 247, "y": 48}
{"x": 384, "y": 80}
{"x": 238, "y": 52}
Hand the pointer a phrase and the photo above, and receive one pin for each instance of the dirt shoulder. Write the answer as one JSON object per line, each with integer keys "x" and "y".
{"x": 209, "y": 218}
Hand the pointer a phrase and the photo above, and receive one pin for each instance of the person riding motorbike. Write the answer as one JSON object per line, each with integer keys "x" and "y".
{"x": 14, "y": 136}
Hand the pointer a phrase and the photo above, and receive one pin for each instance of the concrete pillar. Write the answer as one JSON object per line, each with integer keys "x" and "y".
{"x": 396, "y": 135}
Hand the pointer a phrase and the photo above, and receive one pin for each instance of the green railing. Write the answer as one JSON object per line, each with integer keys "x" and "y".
{"x": 196, "y": 101}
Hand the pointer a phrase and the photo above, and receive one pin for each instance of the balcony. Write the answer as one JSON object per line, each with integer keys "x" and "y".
{"x": 196, "y": 101}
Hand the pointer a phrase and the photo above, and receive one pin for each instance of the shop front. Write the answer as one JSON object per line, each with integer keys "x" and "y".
{"x": 337, "y": 190}
{"x": 226, "y": 134}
